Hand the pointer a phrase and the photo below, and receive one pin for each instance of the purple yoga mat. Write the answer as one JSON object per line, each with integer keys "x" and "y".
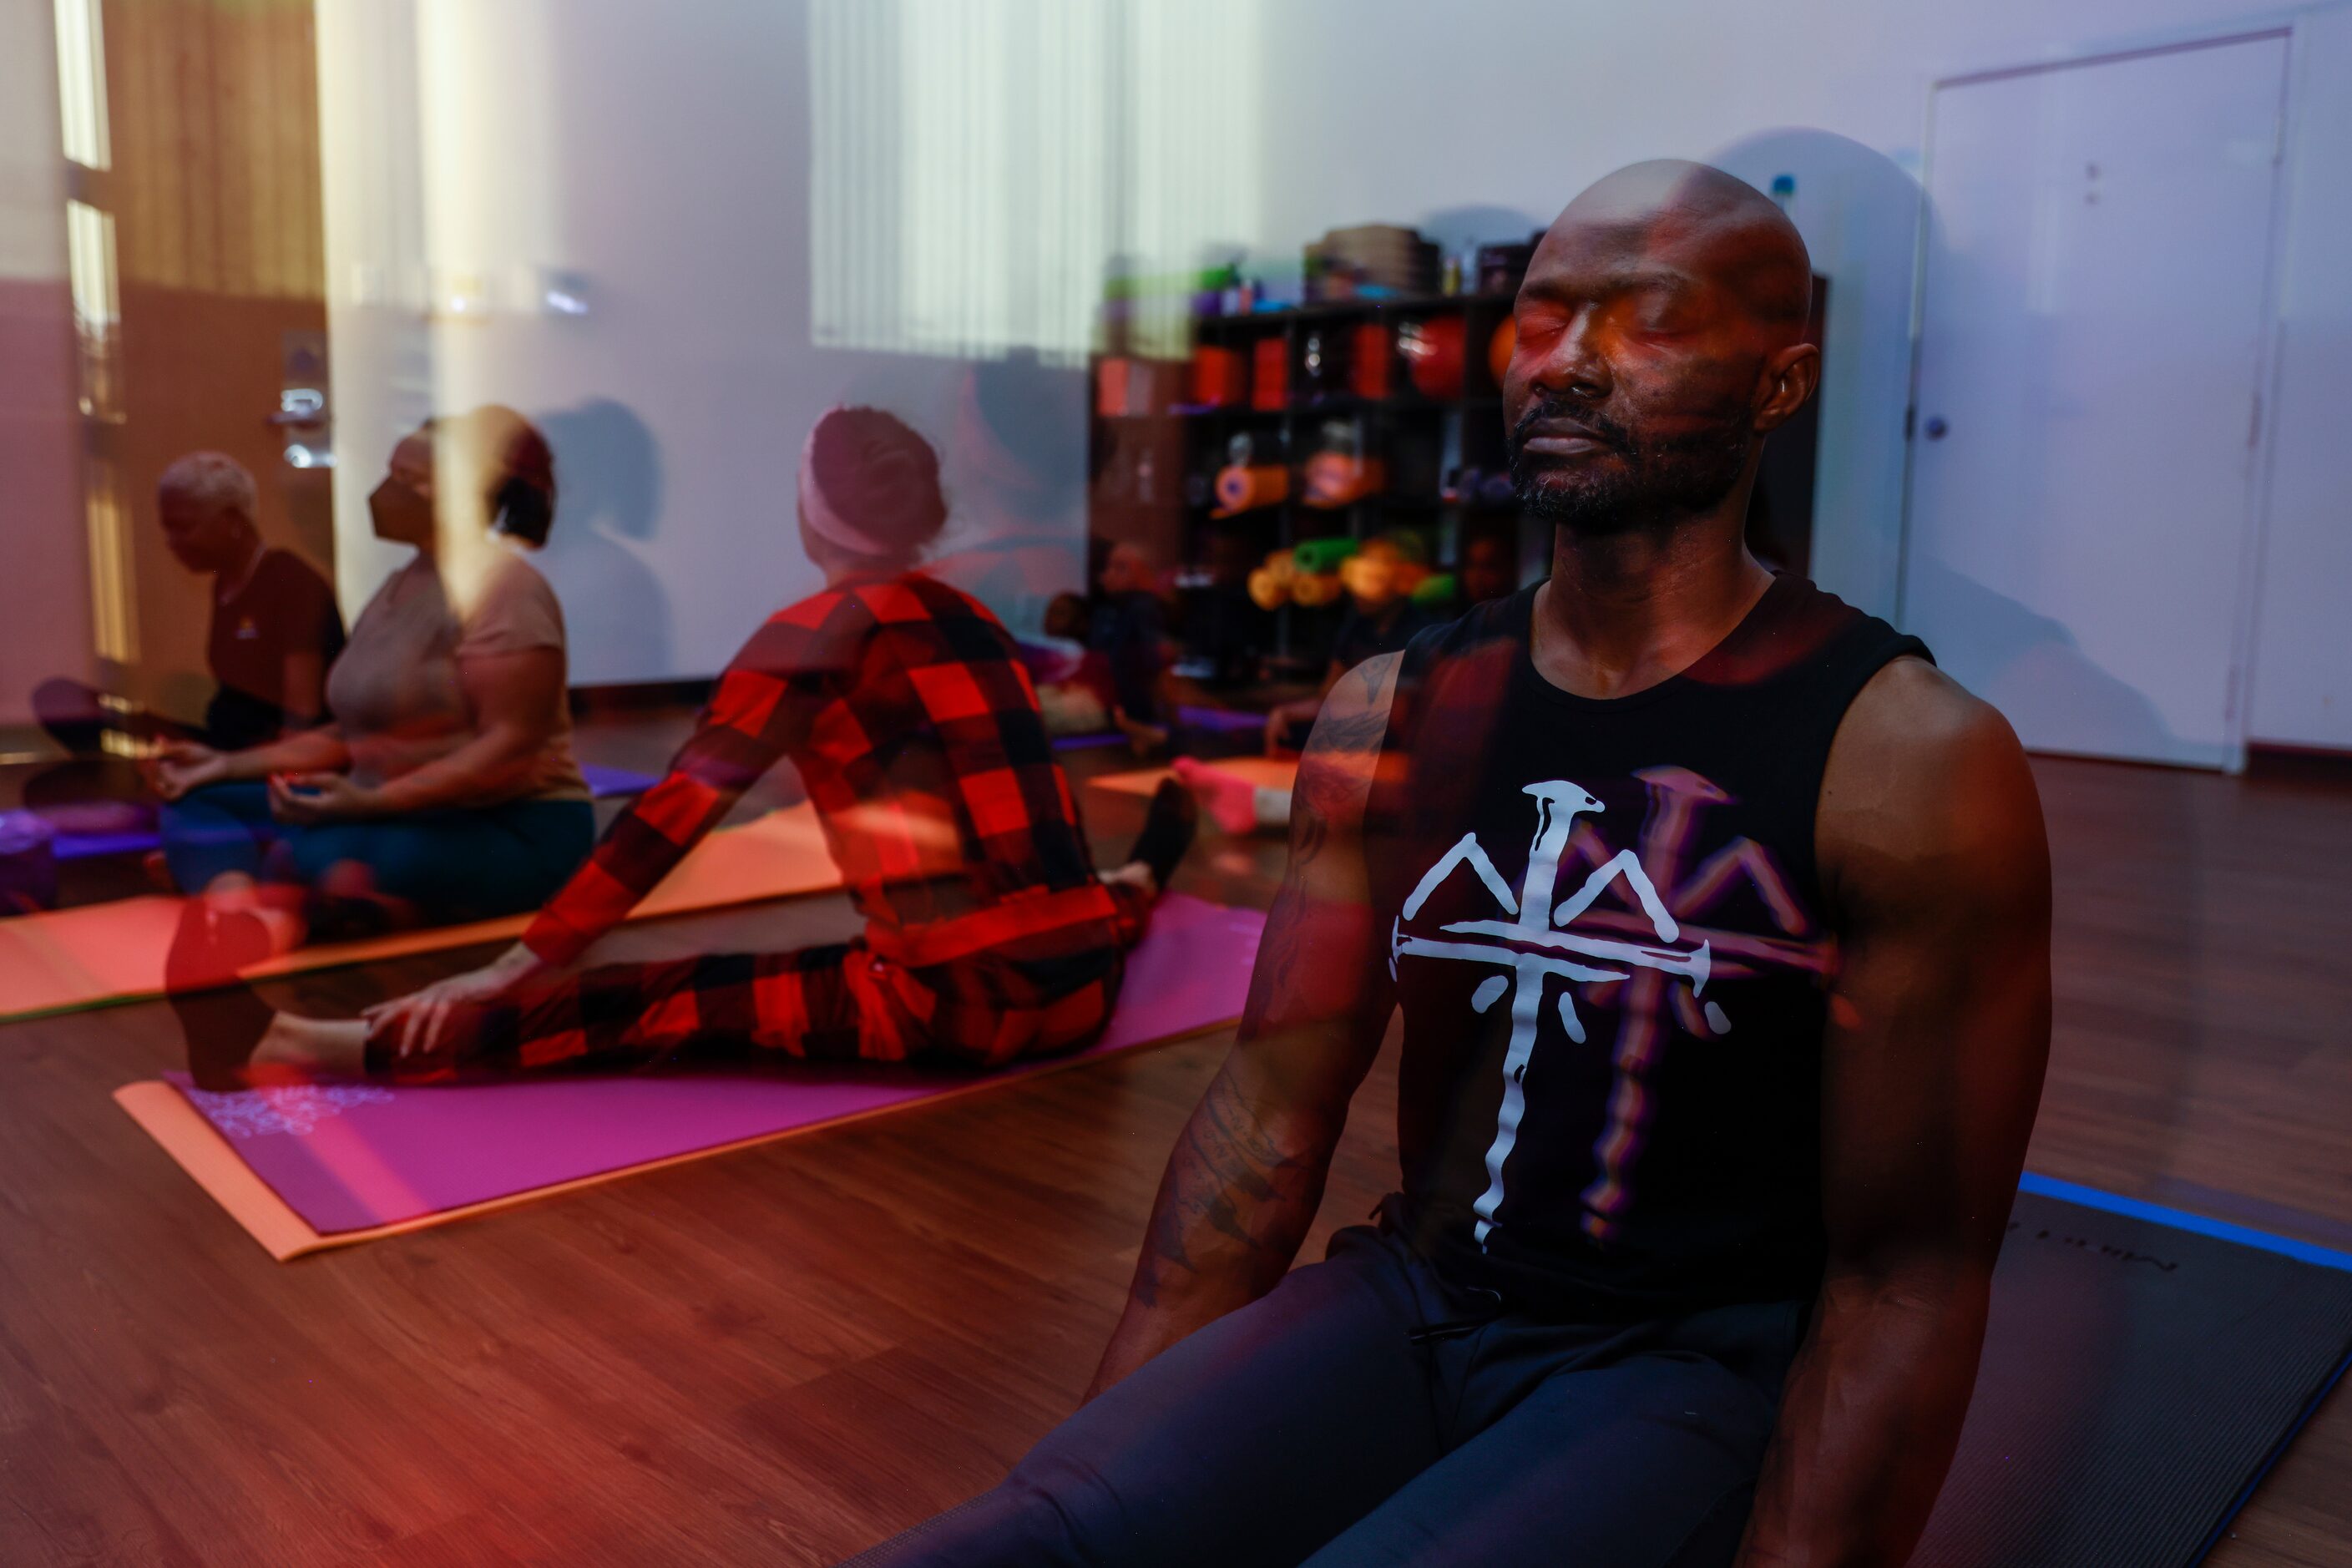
{"x": 604, "y": 781}
{"x": 82, "y": 846}
{"x": 346, "y": 1156}
{"x": 1229, "y": 720}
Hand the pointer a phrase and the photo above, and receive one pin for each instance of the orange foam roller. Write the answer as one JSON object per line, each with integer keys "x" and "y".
{"x": 1240, "y": 487}
{"x": 1313, "y": 590}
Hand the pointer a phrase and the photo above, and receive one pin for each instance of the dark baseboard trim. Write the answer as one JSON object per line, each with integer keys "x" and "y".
{"x": 640, "y": 696}
{"x": 2306, "y": 764}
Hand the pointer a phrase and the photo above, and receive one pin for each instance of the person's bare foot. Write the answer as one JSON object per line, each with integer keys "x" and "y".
{"x": 220, "y": 1018}
{"x": 311, "y": 1047}
{"x": 1134, "y": 874}
{"x": 276, "y": 909}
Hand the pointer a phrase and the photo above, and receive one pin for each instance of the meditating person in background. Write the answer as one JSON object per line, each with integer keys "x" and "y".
{"x": 1489, "y": 569}
{"x": 1382, "y": 618}
{"x": 444, "y": 787}
{"x": 1073, "y": 679}
{"x": 274, "y": 631}
{"x": 1128, "y": 626}
{"x": 903, "y": 702}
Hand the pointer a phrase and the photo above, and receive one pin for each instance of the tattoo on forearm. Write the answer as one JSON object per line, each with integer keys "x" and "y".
{"x": 1235, "y": 1194}
{"x": 1229, "y": 1178}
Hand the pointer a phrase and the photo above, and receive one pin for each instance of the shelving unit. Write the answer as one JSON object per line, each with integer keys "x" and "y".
{"x": 1156, "y": 480}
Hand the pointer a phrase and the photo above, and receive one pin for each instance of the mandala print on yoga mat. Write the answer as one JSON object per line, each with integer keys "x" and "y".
{"x": 293, "y": 1108}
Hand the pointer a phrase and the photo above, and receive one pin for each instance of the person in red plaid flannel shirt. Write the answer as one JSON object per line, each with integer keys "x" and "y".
{"x": 903, "y": 702}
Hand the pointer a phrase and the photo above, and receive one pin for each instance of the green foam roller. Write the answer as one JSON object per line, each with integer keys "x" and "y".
{"x": 1323, "y": 554}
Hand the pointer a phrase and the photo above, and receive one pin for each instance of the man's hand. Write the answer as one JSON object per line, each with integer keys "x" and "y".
{"x": 418, "y": 1021}
{"x": 304, "y": 800}
{"x": 184, "y": 765}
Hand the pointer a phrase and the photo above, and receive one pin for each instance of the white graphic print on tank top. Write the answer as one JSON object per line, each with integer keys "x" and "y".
{"x": 1582, "y": 943}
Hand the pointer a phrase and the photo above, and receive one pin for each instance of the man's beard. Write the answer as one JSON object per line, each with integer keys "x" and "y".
{"x": 1653, "y": 484}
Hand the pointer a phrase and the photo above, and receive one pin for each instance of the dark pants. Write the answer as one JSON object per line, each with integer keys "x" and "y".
{"x": 438, "y": 866}
{"x": 1322, "y": 1426}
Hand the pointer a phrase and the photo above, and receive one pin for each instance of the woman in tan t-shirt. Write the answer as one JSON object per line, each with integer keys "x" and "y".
{"x": 444, "y": 788}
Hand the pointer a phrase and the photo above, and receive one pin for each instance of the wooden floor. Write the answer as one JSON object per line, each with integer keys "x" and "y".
{"x": 781, "y": 1354}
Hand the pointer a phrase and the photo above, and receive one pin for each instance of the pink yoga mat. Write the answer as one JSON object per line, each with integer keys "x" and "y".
{"x": 351, "y": 1156}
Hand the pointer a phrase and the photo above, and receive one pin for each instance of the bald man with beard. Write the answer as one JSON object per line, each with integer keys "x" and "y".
{"x": 1719, "y": 920}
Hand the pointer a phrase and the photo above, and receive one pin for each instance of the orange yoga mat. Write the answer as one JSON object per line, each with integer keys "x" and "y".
{"x": 1267, "y": 773}
{"x": 64, "y": 960}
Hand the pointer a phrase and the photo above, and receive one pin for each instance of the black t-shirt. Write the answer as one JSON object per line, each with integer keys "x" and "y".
{"x": 1613, "y": 955}
{"x": 286, "y": 607}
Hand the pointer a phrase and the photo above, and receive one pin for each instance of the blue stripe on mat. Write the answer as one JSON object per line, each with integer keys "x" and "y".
{"x": 2181, "y": 1219}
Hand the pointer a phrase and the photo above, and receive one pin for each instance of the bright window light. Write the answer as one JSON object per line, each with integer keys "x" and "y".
{"x": 81, "y": 83}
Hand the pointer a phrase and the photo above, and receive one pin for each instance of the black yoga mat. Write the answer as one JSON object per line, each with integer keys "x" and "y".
{"x": 2143, "y": 1369}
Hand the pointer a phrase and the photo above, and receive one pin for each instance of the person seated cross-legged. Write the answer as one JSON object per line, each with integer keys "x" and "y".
{"x": 989, "y": 937}
{"x": 443, "y": 788}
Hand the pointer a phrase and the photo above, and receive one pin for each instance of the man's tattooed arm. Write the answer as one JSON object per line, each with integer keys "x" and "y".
{"x": 1247, "y": 1174}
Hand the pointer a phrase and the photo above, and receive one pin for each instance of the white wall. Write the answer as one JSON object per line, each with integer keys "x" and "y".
{"x": 653, "y": 162}
{"x": 659, "y": 162}
{"x": 45, "y": 593}
{"x": 2303, "y": 652}
{"x": 1533, "y": 98}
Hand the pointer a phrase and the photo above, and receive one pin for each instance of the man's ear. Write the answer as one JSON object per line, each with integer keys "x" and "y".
{"x": 1790, "y": 377}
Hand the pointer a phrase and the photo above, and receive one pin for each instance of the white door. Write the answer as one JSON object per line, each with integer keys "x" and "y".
{"x": 2083, "y": 452}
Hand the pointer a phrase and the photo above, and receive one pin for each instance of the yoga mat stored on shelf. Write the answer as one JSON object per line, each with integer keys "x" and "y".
{"x": 1267, "y": 773}
{"x": 326, "y": 1164}
{"x": 60, "y": 959}
{"x": 2143, "y": 1368}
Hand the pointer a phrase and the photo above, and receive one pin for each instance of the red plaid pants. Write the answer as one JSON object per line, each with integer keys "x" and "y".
{"x": 1040, "y": 995}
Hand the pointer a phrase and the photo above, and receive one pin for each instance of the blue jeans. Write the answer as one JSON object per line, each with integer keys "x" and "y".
{"x": 1326, "y": 1424}
{"x": 444, "y": 866}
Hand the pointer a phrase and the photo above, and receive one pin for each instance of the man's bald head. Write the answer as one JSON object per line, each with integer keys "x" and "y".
{"x": 1696, "y": 217}
{"x": 1661, "y": 336}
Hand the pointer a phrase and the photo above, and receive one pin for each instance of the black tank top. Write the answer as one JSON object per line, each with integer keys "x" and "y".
{"x": 1611, "y": 952}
